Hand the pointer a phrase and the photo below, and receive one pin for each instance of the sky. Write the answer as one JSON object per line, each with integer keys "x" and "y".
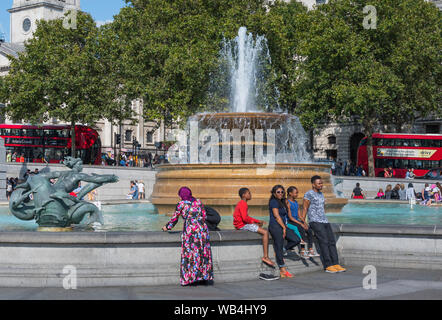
{"x": 101, "y": 10}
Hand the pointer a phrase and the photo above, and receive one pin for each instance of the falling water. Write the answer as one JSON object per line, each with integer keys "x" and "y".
{"x": 243, "y": 86}
{"x": 244, "y": 76}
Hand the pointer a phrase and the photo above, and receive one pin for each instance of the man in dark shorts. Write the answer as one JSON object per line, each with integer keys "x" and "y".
{"x": 313, "y": 208}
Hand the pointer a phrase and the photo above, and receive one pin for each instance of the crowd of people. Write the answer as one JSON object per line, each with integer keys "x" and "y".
{"x": 287, "y": 225}
{"x": 346, "y": 168}
{"x": 428, "y": 195}
{"x": 11, "y": 182}
{"x": 128, "y": 160}
{"x": 15, "y": 157}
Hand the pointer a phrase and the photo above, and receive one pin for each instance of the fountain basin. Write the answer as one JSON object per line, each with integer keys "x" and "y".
{"x": 217, "y": 185}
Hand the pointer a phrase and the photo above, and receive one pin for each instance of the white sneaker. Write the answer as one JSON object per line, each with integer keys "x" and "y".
{"x": 314, "y": 254}
{"x": 304, "y": 255}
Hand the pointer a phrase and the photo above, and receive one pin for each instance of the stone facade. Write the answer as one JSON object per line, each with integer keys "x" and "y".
{"x": 25, "y": 13}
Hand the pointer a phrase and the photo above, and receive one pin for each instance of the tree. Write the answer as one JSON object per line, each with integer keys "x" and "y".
{"x": 64, "y": 73}
{"x": 168, "y": 50}
{"x": 385, "y": 75}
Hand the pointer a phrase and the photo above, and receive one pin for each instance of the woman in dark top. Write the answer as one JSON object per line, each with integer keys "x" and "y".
{"x": 357, "y": 192}
{"x": 277, "y": 228}
{"x": 395, "y": 192}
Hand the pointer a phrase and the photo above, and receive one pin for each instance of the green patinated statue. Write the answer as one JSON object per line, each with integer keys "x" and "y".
{"x": 52, "y": 205}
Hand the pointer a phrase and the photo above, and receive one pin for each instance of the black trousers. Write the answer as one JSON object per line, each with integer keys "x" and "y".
{"x": 278, "y": 241}
{"x": 327, "y": 243}
{"x": 307, "y": 236}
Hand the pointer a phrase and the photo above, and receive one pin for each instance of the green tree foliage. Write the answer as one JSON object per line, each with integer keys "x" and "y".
{"x": 168, "y": 50}
{"x": 64, "y": 73}
{"x": 386, "y": 75}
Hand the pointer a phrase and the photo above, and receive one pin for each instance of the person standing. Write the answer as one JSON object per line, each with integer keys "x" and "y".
{"x": 313, "y": 209}
{"x": 9, "y": 157}
{"x": 141, "y": 188}
{"x": 410, "y": 193}
{"x": 133, "y": 190}
{"x": 196, "y": 253}
{"x": 277, "y": 227}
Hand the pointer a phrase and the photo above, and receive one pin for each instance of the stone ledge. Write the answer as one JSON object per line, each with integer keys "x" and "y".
{"x": 174, "y": 237}
{"x": 139, "y": 237}
{"x": 389, "y": 229}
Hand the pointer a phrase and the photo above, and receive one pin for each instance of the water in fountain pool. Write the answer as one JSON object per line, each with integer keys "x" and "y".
{"x": 142, "y": 217}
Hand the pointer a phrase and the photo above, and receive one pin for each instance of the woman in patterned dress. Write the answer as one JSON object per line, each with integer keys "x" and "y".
{"x": 196, "y": 254}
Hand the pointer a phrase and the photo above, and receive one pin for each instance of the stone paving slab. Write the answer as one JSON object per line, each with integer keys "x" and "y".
{"x": 394, "y": 284}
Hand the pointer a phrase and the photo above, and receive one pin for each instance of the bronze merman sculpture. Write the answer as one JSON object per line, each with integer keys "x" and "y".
{"x": 51, "y": 205}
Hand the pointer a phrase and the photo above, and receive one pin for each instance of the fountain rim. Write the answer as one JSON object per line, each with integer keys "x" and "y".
{"x": 256, "y": 114}
{"x": 301, "y": 165}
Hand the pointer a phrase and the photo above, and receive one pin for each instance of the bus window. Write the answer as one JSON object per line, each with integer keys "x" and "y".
{"x": 65, "y": 133}
{"x": 432, "y": 173}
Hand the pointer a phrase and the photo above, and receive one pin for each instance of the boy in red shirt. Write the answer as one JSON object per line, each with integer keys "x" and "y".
{"x": 242, "y": 221}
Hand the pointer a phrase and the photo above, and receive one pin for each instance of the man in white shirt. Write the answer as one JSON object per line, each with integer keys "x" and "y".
{"x": 410, "y": 193}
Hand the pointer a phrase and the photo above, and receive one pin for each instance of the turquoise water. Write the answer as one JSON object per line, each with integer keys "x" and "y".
{"x": 142, "y": 217}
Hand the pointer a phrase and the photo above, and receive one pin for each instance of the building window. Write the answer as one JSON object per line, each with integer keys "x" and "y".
{"x": 432, "y": 128}
{"x": 149, "y": 137}
{"x": 26, "y": 25}
{"x": 331, "y": 154}
{"x": 331, "y": 139}
{"x": 128, "y": 135}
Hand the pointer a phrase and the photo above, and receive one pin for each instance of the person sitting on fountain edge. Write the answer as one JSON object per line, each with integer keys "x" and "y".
{"x": 313, "y": 208}
{"x": 242, "y": 221}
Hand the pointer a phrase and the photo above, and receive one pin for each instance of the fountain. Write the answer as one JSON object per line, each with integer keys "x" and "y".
{"x": 245, "y": 147}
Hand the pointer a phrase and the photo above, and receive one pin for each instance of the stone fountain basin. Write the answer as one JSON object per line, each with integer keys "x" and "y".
{"x": 217, "y": 185}
{"x": 100, "y": 259}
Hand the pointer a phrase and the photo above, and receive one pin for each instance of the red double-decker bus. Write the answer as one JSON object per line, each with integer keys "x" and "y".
{"x": 50, "y": 143}
{"x": 421, "y": 152}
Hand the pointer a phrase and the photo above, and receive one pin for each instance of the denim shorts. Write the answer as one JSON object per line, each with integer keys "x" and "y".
{"x": 250, "y": 227}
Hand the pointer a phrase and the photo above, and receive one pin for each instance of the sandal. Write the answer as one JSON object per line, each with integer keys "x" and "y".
{"x": 270, "y": 263}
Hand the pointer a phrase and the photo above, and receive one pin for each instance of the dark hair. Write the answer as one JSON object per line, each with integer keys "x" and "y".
{"x": 314, "y": 178}
{"x": 290, "y": 189}
{"x": 242, "y": 191}
{"x": 357, "y": 184}
{"x": 410, "y": 185}
{"x": 282, "y": 201}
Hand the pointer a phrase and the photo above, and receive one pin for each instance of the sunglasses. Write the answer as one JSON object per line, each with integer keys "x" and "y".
{"x": 280, "y": 192}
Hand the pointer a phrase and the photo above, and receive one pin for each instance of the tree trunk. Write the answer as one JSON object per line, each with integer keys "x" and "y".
{"x": 73, "y": 140}
{"x": 369, "y": 134}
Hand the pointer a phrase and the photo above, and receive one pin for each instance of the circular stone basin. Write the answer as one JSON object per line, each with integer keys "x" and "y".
{"x": 217, "y": 185}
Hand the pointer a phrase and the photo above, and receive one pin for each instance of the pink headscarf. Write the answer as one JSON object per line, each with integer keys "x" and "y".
{"x": 186, "y": 194}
